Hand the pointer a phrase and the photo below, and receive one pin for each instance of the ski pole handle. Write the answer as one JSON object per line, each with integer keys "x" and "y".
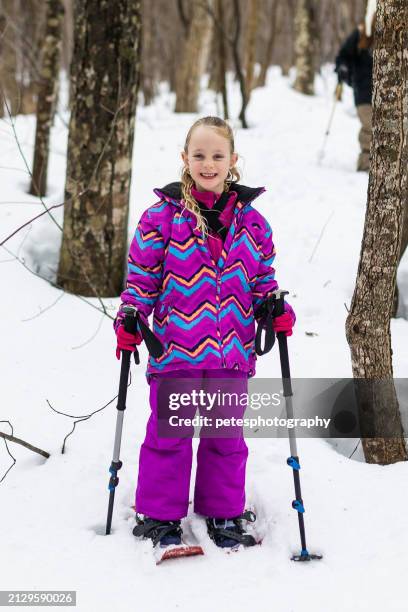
{"x": 130, "y": 319}
{"x": 130, "y": 325}
{"x": 134, "y": 323}
{"x": 279, "y": 297}
{"x": 273, "y": 307}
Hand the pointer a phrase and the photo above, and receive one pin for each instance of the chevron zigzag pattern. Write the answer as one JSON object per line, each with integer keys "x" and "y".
{"x": 203, "y": 313}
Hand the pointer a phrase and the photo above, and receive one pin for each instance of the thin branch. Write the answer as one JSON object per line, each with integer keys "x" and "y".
{"x": 3, "y": 242}
{"x": 93, "y": 335}
{"x": 320, "y": 236}
{"x": 355, "y": 449}
{"x": 8, "y": 451}
{"x": 79, "y": 297}
{"x": 61, "y": 295}
{"x": 12, "y": 123}
{"x": 80, "y": 194}
{"x": 119, "y": 108}
{"x": 25, "y": 444}
{"x": 85, "y": 417}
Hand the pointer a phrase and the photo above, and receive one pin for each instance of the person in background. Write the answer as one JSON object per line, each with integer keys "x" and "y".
{"x": 354, "y": 66}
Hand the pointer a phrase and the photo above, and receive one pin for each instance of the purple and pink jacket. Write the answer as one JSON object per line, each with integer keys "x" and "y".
{"x": 204, "y": 309}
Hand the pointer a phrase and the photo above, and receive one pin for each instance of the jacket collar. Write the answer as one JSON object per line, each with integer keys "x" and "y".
{"x": 246, "y": 195}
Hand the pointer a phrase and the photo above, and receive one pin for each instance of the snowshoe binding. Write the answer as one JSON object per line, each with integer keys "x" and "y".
{"x": 230, "y": 534}
{"x": 166, "y": 538}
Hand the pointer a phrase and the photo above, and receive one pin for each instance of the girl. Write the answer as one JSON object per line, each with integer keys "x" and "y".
{"x": 202, "y": 259}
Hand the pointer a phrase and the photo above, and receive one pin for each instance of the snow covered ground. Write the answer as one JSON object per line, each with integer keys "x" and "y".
{"x": 56, "y": 347}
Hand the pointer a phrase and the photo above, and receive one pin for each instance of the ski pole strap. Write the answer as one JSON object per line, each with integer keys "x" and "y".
{"x": 265, "y": 323}
{"x": 273, "y": 307}
{"x": 133, "y": 321}
{"x": 154, "y": 346}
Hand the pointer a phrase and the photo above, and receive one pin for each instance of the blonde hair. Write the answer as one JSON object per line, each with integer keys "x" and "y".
{"x": 223, "y": 129}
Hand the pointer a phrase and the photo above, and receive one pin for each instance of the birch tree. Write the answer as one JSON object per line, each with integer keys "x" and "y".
{"x": 368, "y": 323}
{"x": 305, "y": 38}
{"x": 104, "y": 85}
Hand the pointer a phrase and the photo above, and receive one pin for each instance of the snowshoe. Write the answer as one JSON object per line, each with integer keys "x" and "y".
{"x": 230, "y": 533}
{"x": 166, "y": 538}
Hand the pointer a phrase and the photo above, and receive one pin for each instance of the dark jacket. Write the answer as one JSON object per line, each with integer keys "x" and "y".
{"x": 354, "y": 66}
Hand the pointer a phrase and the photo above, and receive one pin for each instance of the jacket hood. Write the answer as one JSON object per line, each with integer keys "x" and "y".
{"x": 245, "y": 194}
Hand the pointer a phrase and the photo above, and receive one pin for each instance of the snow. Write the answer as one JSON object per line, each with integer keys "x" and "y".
{"x": 56, "y": 347}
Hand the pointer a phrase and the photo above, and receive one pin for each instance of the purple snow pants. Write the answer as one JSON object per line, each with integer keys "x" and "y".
{"x": 165, "y": 463}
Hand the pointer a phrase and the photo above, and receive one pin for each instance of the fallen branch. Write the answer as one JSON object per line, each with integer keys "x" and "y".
{"x": 25, "y": 444}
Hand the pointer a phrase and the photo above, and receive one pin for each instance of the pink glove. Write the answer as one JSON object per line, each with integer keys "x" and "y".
{"x": 126, "y": 341}
{"x": 286, "y": 321}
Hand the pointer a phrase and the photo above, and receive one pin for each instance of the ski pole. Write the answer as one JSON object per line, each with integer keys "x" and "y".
{"x": 293, "y": 460}
{"x": 132, "y": 322}
{"x": 337, "y": 96}
{"x": 131, "y": 327}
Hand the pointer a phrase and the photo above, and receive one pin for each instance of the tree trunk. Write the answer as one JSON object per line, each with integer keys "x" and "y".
{"x": 8, "y": 61}
{"x": 67, "y": 35}
{"x": 235, "y": 43}
{"x": 222, "y": 58}
{"x": 30, "y": 41}
{"x": 368, "y": 323}
{"x": 267, "y": 58}
{"x": 250, "y": 45}
{"x": 214, "y": 60}
{"x": 286, "y": 34}
{"x": 217, "y": 80}
{"x": 105, "y": 81}
{"x": 196, "y": 52}
{"x": 47, "y": 94}
{"x": 304, "y": 47}
{"x": 147, "y": 74}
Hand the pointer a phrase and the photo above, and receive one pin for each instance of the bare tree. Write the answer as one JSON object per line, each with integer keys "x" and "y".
{"x": 30, "y": 20}
{"x": 149, "y": 72}
{"x": 271, "y": 18}
{"x": 105, "y": 80}
{"x": 67, "y": 35}
{"x": 368, "y": 323}
{"x": 285, "y": 38}
{"x": 250, "y": 44}
{"x": 21, "y": 27}
{"x": 47, "y": 94}
{"x": 8, "y": 60}
{"x": 196, "y": 51}
{"x": 235, "y": 46}
{"x": 219, "y": 59}
{"x": 305, "y": 47}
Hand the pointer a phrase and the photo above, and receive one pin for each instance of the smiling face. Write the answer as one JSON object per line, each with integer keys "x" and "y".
{"x": 208, "y": 159}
